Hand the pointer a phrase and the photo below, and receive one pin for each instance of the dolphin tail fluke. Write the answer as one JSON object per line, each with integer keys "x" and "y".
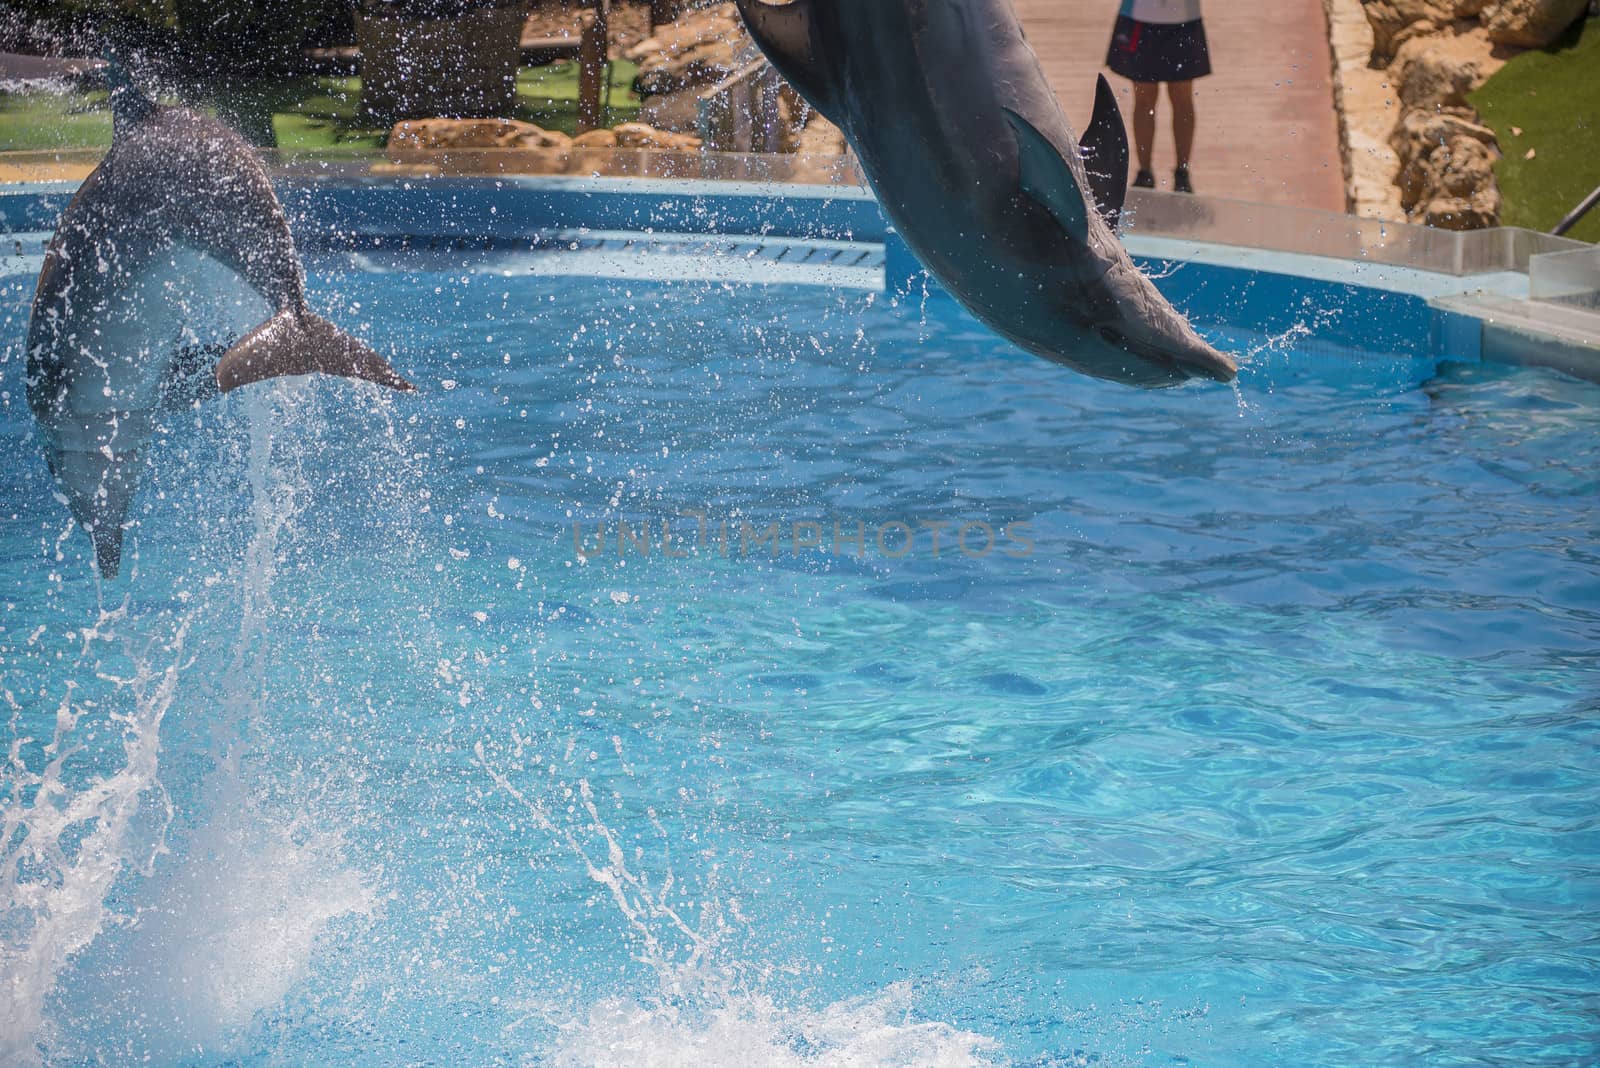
{"x": 301, "y": 343}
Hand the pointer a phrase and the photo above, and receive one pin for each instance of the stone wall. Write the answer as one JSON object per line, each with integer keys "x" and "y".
{"x": 1414, "y": 147}
{"x": 1447, "y": 155}
{"x": 1367, "y": 106}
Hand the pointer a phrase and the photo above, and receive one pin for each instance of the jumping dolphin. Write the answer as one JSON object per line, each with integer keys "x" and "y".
{"x": 976, "y": 167}
{"x": 105, "y": 350}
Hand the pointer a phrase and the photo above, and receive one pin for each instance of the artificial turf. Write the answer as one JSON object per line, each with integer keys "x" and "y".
{"x": 1553, "y": 96}
{"x": 309, "y": 114}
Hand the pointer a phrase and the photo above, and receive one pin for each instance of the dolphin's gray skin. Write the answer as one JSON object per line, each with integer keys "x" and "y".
{"x": 974, "y": 163}
{"x": 104, "y": 342}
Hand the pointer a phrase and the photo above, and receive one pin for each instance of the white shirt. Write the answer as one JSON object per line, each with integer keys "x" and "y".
{"x": 1168, "y": 12}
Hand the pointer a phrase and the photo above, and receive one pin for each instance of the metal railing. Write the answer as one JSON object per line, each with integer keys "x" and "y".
{"x": 1577, "y": 213}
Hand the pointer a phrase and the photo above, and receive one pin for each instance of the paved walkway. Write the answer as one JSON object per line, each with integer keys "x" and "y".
{"x": 1268, "y": 131}
{"x": 14, "y": 67}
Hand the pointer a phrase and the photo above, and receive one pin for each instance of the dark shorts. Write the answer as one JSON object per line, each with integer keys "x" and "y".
{"x": 1159, "y": 52}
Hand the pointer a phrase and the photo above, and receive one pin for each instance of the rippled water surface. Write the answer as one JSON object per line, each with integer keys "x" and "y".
{"x": 1264, "y": 733}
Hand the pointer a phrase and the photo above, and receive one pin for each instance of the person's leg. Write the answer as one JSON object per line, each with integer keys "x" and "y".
{"x": 1145, "y": 95}
{"x": 1181, "y": 95}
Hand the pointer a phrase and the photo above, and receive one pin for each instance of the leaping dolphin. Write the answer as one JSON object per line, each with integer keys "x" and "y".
{"x": 104, "y": 352}
{"x": 976, "y": 166}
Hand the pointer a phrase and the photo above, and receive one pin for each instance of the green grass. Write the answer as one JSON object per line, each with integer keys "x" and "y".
{"x": 548, "y": 96}
{"x": 49, "y": 121}
{"x": 1553, "y": 96}
{"x": 308, "y": 114}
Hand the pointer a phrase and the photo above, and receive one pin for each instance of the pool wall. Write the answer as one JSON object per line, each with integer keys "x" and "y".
{"x": 1355, "y": 285}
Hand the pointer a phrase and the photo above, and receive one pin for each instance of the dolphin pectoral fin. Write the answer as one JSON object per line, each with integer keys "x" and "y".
{"x": 784, "y": 34}
{"x": 1047, "y": 179}
{"x": 1105, "y": 146}
{"x": 300, "y": 343}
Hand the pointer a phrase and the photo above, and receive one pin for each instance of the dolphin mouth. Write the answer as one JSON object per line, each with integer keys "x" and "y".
{"x": 1212, "y": 364}
{"x": 1179, "y": 364}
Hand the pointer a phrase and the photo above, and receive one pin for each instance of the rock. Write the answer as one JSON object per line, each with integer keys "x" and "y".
{"x": 638, "y": 135}
{"x": 1478, "y": 212}
{"x": 1464, "y": 167}
{"x": 1420, "y": 132}
{"x": 1438, "y": 51}
{"x": 679, "y": 111}
{"x": 405, "y": 170}
{"x": 1439, "y": 71}
{"x": 819, "y": 137}
{"x": 1451, "y": 213}
{"x": 1453, "y": 184}
{"x": 1530, "y": 23}
{"x": 1447, "y": 168}
{"x": 1394, "y": 22}
{"x": 596, "y": 139}
{"x": 701, "y": 48}
{"x": 433, "y": 135}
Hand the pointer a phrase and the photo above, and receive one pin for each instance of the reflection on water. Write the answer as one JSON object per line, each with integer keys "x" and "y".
{"x": 1276, "y": 747}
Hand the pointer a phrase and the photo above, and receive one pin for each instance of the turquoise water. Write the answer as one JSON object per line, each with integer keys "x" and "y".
{"x": 1264, "y": 734}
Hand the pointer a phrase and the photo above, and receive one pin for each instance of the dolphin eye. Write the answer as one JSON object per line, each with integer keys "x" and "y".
{"x": 1112, "y": 336}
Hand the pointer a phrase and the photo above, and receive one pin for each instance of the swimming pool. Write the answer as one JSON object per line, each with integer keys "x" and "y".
{"x": 1228, "y": 727}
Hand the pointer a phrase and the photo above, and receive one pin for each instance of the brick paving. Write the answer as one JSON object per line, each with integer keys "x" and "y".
{"x": 1267, "y": 127}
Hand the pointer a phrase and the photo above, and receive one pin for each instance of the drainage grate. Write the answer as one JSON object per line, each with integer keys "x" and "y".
{"x": 628, "y": 254}
{"x": 773, "y": 250}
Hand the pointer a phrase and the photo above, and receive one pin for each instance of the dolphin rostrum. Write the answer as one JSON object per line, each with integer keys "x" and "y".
{"x": 975, "y": 165}
{"x": 104, "y": 341}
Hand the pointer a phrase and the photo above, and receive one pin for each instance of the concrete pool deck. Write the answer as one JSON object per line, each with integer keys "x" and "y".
{"x": 1268, "y": 130}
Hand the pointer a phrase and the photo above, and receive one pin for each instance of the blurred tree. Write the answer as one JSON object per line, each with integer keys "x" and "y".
{"x": 72, "y": 26}
{"x": 249, "y": 37}
{"x": 253, "y": 36}
{"x": 230, "y": 48}
{"x": 222, "y": 54}
{"x": 431, "y": 58}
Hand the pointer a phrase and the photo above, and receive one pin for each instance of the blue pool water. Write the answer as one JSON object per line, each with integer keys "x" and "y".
{"x": 1264, "y": 734}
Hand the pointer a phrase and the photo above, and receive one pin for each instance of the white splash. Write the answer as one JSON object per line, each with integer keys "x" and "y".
{"x": 52, "y": 891}
{"x": 220, "y": 933}
{"x": 705, "y": 1016}
{"x": 880, "y": 1031}
{"x": 231, "y": 926}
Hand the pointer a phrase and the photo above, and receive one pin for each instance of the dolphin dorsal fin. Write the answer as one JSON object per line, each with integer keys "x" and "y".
{"x": 299, "y": 343}
{"x": 1047, "y": 179}
{"x": 1105, "y": 147}
{"x": 784, "y": 33}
